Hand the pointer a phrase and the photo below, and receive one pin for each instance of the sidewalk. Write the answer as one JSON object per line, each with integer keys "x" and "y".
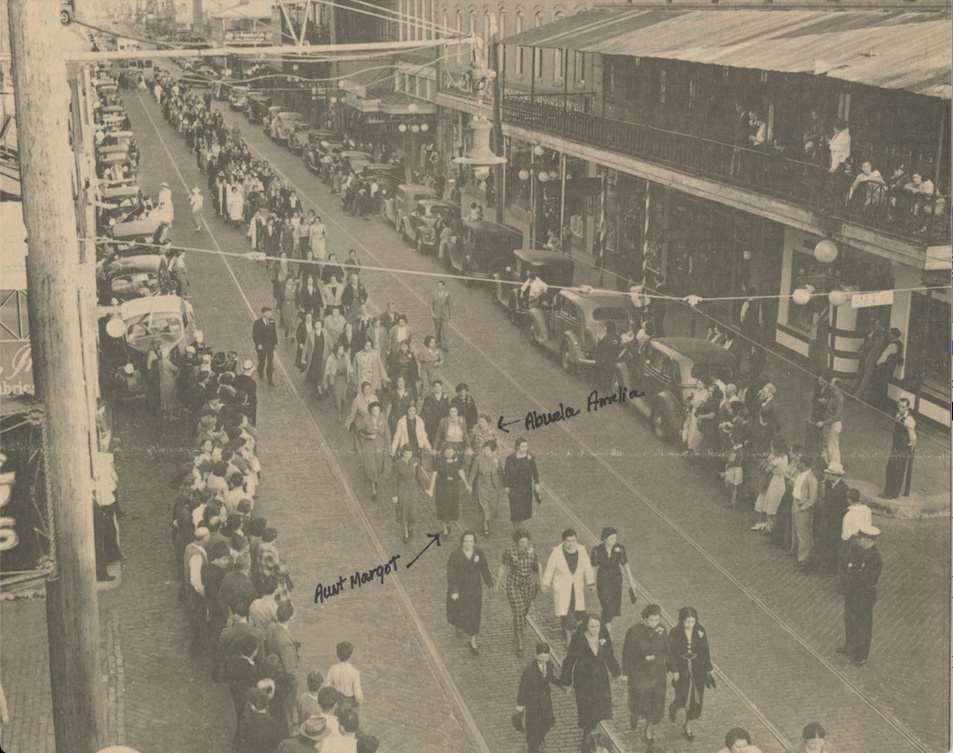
{"x": 866, "y": 438}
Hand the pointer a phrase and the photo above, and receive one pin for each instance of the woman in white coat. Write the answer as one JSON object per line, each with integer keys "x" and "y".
{"x": 411, "y": 432}
{"x": 568, "y": 571}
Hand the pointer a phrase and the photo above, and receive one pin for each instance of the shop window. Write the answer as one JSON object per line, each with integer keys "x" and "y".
{"x": 538, "y": 51}
{"x": 519, "y": 50}
{"x": 662, "y": 86}
{"x": 692, "y": 93}
{"x": 926, "y": 356}
{"x": 579, "y": 66}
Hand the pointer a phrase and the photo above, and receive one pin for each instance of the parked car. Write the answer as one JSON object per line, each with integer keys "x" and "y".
{"x": 484, "y": 249}
{"x": 352, "y": 156}
{"x": 666, "y": 369}
{"x": 424, "y": 219}
{"x": 314, "y": 154}
{"x": 130, "y": 277}
{"x": 136, "y": 230}
{"x": 404, "y": 204}
{"x": 305, "y": 136}
{"x": 238, "y": 97}
{"x": 575, "y": 321}
{"x": 270, "y": 122}
{"x": 167, "y": 318}
{"x": 286, "y": 124}
{"x": 552, "y": 267}
{"x": 256, "y": 107}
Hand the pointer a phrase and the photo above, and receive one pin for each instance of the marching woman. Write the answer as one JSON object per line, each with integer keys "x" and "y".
{"x": 301, "y": 335}
{"x": 689, "y": 644}
{"x": 453, "y": 430}
{"x": 289, "y": 305}
{"x": 409, "y": 479}
{"x": 611, "y": 560}
{"x": 467, "y": 571}
{"x": 399, "y": 399}
{"x": 486, "y": 477}
{"x": 646, "y": 659}
{"x": 589, "y": 662}
{"x": 375, "y": 445}
{"x": 338, "y": 373}
{"x": 317, "y": 350}
{"x": 524, "y": 572}
{"x": 445, "y": 485}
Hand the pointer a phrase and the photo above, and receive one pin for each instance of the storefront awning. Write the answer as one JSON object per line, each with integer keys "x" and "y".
{"x": 890, "y": 49}
{"x": 398, "y": 103}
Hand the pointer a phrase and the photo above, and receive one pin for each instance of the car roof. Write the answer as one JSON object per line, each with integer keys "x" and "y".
{"x": 540, "y": 257}
{"x": 136, "y": 227}
{"x": 594, "y": 298}
{"x": 141, "y": 262}
{"x": 407, "y": 187}
{"x": 492, "y": 228}
{"x": 157, "y": 304}
{"x": 695, "y": 350}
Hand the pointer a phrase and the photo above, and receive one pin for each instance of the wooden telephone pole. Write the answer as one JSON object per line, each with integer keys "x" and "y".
{"x": 59, "y": 277}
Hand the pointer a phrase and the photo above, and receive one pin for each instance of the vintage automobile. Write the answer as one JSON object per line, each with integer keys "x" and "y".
{"x": 305, "y": 136}
{"x": 119, "y": 202}
{"x": 484, "y": 249}
{"x": 665, "y": 369}
{"x": 405, "y": 202}
{"x": 202, "y": 77}
{"x": 137, "y": 230}
{"x": 552, "y": 267}
{"x": 270, "y": 122}
{"x": 314, "y": 154}
{"x": 353, "y": 155}
{"x": 130, "y": 277}
{"x": 256, "y": 107}
{"x": 168, "y": 319}
{"x": 237, "y": 97}
{"x": 424, "y": 219}
{"x": 286, "y": 124}
{"x": 575, "y": 320}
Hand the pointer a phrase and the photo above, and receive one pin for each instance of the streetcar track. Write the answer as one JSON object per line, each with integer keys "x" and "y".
{"x": 437, "y": 665}
{"x": 886, "y": 716}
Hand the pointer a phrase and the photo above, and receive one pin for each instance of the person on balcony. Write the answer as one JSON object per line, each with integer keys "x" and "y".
{"x": 814, "y": 135}
{"x": 897, "y": 199}
{"x": 867, "y": 188}
{"x": 839, "y": 145}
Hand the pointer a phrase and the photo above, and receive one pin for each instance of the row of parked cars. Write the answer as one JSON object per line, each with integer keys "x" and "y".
{"x": 568, "y": 322}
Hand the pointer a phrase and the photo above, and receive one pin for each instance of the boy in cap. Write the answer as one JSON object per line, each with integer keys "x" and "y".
{"x": 864, "y": 565}
{"x": 533, "y": 698}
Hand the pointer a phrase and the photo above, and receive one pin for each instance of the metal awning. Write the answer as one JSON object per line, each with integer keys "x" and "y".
{"x": 890, "y": 49}
{"x": 398, "y": 103}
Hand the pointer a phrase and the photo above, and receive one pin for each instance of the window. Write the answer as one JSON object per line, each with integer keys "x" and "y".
{"x": 926, "y": 355}
{"x": 579, "y": 68}
{"x": 459, "y": 48}
{"x": 519, "y": 52}
{"x": 501, "y": 34}
{"x": 662, "y": 86}
{"x": 559, "y": 56}
{"x": 692, "y": 93}
{"x": 487, "y": 34}
{"x": 446, "y": 22}
{"x": 538, "y": 51}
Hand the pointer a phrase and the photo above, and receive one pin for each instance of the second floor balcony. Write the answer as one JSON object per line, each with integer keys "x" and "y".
{"x": 913, "y": 208}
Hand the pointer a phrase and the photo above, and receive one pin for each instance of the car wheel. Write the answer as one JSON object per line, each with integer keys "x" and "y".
{"x": 661, "y": 425}
{"x": 565, "y": 358}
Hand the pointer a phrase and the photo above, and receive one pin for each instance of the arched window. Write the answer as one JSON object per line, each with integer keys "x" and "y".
{"x": 487, "y": 33}
{"x": 460, "y": 51}
{"x": 538, "y": 50}
{"x": 446, "y": 22}
{"x": 559, "y": 56}
{"x": 519, "y": 51}
{"x": 501, "y": 34}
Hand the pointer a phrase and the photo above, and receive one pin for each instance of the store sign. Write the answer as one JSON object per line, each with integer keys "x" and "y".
{"x": 866, "y": 300}
{"x": 246, "y": 37}
{"x": 16, "y": 368}
{"x": 24, "y": 529}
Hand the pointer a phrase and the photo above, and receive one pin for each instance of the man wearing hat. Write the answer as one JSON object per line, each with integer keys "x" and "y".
{"x": 830, "y": 517}
{"x": 902, "y": 447}
{"x": 247, "y": 388}
{"x": 533, "y": 698}
{"x": 213, "y": 573}
{"x": 310, "y": 735}
{"x": 864, "y": 565}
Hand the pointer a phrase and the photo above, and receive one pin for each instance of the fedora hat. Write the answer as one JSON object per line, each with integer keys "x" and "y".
{"x": 836, "y": 468}
{"x": 315, "y": 728}
{"x": 248, "y": 367}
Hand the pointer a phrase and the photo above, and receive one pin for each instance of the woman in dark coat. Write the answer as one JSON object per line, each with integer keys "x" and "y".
{"x": 611, "y": 559}
{"x": 520, "y": 477}
{"x": 689, "y": 644}
{"x": 309, "y": 298}
{"x": 533, "y": 699}
{"x": 588, "y": 664}
{"x": 409, "y": 479}
{"x": 448, "y": 472}
{"x": 467, "y": 571}
{"x": 646, "y": 658}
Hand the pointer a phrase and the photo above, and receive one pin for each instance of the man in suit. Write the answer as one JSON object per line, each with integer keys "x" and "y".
{"x": 389, "y": 317}
{"x": 441, "y": 311}
{"x": 902, "y": 448}
{"x": 804, "y": 497}
{"x": 279, "y": 641}
{"x": 240, "y": 672}
{"x": 533, "y": 698}
{"x": 264, "y": 333}
{"x": 830, "y": 517}
{"x": 247, "y": 390}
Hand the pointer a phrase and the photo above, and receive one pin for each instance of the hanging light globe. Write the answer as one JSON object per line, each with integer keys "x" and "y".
{"x": 801, "y": 296}
{"x": 538, "y": 150}
{"x": 424, "y": 127}
{"x": 402, "y": 128}
{"x": 838, "y": 297}
{"x": 524, "y": 174}
{"x": 543, "y": 176}
{"x": 825, "y": 251}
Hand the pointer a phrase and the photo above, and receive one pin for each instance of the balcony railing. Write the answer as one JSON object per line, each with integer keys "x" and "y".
{"x": 923, "y": 218}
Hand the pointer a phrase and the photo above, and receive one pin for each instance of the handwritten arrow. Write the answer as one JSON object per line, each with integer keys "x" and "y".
{"x": 433, "y": 537}
{"x": 502, "y": 426}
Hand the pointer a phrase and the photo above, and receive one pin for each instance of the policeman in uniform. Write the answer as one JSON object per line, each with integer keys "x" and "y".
{"x": 864, "y": 565}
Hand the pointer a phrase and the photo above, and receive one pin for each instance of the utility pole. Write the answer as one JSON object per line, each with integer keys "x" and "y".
{"x": 496, "y": 135}
{"x": 58, "y": 279}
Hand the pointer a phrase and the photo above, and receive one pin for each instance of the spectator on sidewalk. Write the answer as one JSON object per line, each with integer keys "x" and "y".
{"x": 241, "y": 673}
{"x": 264, "y": 610}
{"x": 367, "y": 743}
{"x": 804, "y": 495}
{"x": 237, "y": 587}
{"x": 345, "y": 742}
{"x": 213, "y": 573}
{"x": 258, "y": 731}
{"x": 864, "y": 565}
{"x": 812, "y": 740}
{"x": 345, "y": 678}
{"x": 886, "y": 364}
{"x": 307, "y": 705}
{"x": 328, "y": 701}
{"x": 230, "y": 641}
{"x": 442, "y": 312}
{"x": 857, "y": 516}
{"x": 829, "y": 518}
{"x": 902, "y": 448}
{"x": 832, "y": 422}
{"x": 533, "y": 698}
{"x": 309, "y": 737}
{"x": 196, "y": 561}
{"x": 279, "y": 641}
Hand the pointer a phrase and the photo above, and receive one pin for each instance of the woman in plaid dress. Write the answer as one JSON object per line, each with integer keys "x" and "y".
{"x": 523, "y": 575}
